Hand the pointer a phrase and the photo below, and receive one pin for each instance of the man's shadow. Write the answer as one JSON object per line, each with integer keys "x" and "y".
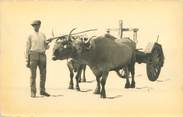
{"x": 40, "y": 96}
{"x": 59, "y": 95}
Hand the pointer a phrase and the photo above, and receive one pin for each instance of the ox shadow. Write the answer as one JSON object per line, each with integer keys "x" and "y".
{"x": 114, "y": 97}
{"x": 145, "y": 87}
{"x": 88, "y": 90}
{"x": 168, "y": 79}
{"x": 89, "y": 81}
{"x": 138, "y": 75}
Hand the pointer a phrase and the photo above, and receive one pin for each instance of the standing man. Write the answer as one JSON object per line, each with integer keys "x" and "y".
{"x": 36, "y": 57}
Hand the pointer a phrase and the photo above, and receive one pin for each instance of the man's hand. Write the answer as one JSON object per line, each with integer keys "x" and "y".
{"x": 27, "y": 64}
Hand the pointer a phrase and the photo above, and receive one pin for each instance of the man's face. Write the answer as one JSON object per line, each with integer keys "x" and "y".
{"x": 36, "y": 27}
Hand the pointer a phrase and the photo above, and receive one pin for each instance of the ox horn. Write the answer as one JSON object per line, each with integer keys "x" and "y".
{"x": 69, "y": 36}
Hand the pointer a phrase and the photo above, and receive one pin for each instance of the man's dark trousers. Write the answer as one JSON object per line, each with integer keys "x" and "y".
{"x": 37, "y": 59}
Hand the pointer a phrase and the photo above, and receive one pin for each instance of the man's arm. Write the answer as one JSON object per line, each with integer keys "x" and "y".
{"x": 28, "y": 47}
{"x": 46, "y": 43}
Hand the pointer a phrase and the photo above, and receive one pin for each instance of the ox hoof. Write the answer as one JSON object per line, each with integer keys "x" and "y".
{"x": 96, "y": 91}
{"x": 70, "y": 87}
{"x": 132, "y": 85}
{"x": 102, "y": 96}
{"x": 77, "y": 88}
{"x": 127, "y": 85}
{"x": 54, "y": 58}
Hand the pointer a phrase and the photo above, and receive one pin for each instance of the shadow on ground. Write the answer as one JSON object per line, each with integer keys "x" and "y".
{"x": 88, "y": 90}
{"x": 59, "y": 95}
{"x": 90, "y": 81}
{"x": 114, "y": 97}
{"x": 147, "y": 88}
{"x": 163, "y": 80}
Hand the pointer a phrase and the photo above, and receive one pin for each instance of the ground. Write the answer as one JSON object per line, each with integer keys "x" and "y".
{"x": 162, "y": 97}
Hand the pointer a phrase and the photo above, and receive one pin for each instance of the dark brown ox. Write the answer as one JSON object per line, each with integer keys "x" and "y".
{"x": 75, "y": 68}
{"x": 102, "y": 55}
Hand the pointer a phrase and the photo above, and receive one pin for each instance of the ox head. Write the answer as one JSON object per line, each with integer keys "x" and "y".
{"x": 59, "y": 49}
{"x": 70, "y": 46}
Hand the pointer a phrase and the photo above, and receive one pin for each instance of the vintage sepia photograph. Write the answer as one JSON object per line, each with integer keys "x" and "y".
{"x": 102, "y": 58}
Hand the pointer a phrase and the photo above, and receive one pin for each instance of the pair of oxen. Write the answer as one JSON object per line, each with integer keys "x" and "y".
{"x": 102, "y": 54}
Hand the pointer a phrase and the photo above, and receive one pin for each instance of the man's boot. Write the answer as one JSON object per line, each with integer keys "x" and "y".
{"x": 44, "y": 93}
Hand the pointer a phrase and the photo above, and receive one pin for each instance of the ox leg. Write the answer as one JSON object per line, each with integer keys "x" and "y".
{"x": 80, "y": 67}
{"x": 97, "y": 90}
{"x": 71, "y": 80}
{"x": 84, "y": 77}
{"x": 127, "y": 85}
{"x": 78, "y": 75}
{"x": 133, "y": 76}
{"x": 103, "y": 82}
{"x": 71, "y": 70}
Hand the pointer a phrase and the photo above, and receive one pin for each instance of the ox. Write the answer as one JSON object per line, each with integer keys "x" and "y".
{"x": 102, "y": 55}
{"x": 73, "y": 66}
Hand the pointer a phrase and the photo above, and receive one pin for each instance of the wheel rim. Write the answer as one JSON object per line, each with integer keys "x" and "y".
{"x": 156, "y": 60}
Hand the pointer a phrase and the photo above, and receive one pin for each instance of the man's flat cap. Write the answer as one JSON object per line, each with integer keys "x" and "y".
{"x": 36, "y": 22}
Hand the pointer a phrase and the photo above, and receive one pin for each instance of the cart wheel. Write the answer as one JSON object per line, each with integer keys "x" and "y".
{"x": 155, "y": 62}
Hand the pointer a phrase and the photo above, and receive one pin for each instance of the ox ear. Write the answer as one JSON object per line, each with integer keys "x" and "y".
{"x": 60, "y": 38}
{"x": 58, "y": 41}
{"x": 89, "y": 43}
